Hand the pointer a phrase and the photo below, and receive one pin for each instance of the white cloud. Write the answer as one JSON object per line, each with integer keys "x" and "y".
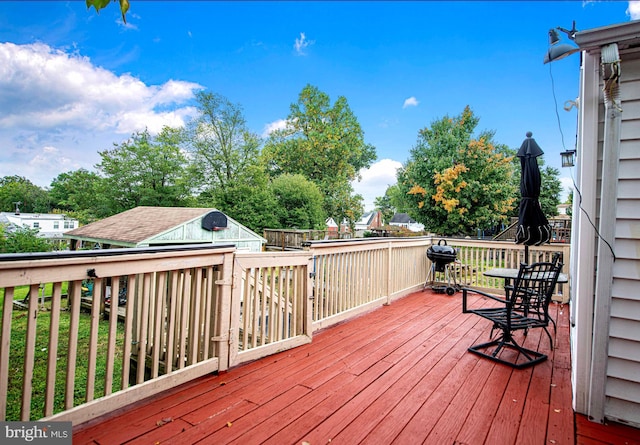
{"x": 633, "y": 10}
{"x": 57, "y": 109}
{"x": 567, "y": 186}
{"x": 301, "y": 44}
{"x": 375, "y": 180}
{"x": 410, "y": 102}
{"x": 44, "y": 88}
{"x": 280, "y": 124}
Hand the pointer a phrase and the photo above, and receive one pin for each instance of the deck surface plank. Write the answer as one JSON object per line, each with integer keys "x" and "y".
{"x": 400, "y": 374}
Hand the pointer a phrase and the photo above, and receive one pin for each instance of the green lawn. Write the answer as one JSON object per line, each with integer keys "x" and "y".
{"x": 18, "y": 330}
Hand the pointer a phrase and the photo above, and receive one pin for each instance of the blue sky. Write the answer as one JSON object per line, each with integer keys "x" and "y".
{"x": 73, "y": 82}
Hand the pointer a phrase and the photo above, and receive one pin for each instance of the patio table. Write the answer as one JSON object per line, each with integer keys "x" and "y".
{"x": 511, "y": 274}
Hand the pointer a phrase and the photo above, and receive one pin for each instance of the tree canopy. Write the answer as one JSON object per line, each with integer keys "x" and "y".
{"x": 222, "y": 147}
{"x": 19, "y": 192}
{"x": 455, "y": 183}
{"x": 299, "y": 202}
{"x": 324, "y": 143}
{"x": 21, "y": 240}
{"x": 394, "y": 201}
{"x": 145, "y": 170}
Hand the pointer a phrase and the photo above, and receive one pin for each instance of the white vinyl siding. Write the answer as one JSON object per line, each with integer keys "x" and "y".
{"x": 623, "y": 364}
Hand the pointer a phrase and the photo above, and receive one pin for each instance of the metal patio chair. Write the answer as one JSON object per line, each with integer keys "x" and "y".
{"x": 525, "y": 306}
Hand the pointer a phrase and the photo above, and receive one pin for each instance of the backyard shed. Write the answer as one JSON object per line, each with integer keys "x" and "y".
{"x": 605, "y": 302}
{"x": 162, "y": 226}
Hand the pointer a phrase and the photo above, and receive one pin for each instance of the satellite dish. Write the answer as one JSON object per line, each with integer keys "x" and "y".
{"x": 214, "y": 221}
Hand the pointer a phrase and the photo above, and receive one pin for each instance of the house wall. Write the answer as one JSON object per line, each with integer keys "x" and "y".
{"x": 605, "y": 301}
{"x": 45, "y": 223}
{"x": 622, "y": 389}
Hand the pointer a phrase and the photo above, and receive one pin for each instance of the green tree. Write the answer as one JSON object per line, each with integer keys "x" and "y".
{"x": 225, "y": 163}
{"x": 394, "y": 201}
{"x": 22, "y": 240}
{"x": 78, "y": 194}
{"x": 457, "y": 184}
{"x": 251, "y": 203}
{"x": 550, "y": 190}
{"x": 145, "y": 170}
{"x": 19, "y": 191}
{"x": 324, "y": 143}
{"x": 223, "y": 150}
{"x": 299, "y": 202}
{"x": 570, "y": 202}
{"x": 383, "y": 204}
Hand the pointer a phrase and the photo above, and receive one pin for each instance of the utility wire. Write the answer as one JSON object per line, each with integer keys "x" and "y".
{"x": 575, "y": 186}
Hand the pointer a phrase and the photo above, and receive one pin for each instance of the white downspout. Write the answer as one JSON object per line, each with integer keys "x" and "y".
{"x": 583, "y": 234}
{"x": 604, "y": 262}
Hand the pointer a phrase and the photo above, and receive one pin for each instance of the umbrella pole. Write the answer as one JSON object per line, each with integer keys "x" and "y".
{"x": 526, "y": 254}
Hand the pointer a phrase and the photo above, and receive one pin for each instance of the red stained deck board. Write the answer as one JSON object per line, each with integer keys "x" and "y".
{"x": 477, "y": 425}
{"x": 431, "y": 370}
{"x": 588, "y": 433}
{"x": 296, "y": 410}
{"x": 457, "y": 411}
{"x": 432, "y": 409}
{"x": 533, "y": 426}
{"x": 561, "y": 418}
{"x": 402, "y": 367}
{"x": 164, "y": 430}
{"x": 377, "y": 412}
{"x": 249, "y": 420}
{"x": 299, "y": 430}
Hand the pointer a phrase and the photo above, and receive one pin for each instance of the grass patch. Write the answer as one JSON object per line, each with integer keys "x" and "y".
{"x": 17, "y": 353}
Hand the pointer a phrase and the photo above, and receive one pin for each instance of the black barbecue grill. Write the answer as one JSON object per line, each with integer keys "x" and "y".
{"x": 441, "y": 255}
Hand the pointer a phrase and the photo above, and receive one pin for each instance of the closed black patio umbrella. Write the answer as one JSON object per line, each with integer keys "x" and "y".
{"x": 533, "y": 226}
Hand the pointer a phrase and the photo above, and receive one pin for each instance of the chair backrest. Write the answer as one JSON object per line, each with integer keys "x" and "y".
{"x": 534, "y": 287}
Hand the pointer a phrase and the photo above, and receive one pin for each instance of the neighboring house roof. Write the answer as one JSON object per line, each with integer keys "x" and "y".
{"x": 5, "y": 222}
{"x": 366, "y": 219}
{"x": 156, "y": 225}
{"x": 402, "y": 218}
{"x": 330, "y": 222}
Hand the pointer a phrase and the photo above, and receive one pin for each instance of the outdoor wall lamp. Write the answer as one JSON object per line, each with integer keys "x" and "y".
{"x": 568, "y": 158}
{"x": 557, "y": 52}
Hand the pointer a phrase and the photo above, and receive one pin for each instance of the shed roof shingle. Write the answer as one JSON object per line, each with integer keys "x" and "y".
{"x": 138, "y": 224}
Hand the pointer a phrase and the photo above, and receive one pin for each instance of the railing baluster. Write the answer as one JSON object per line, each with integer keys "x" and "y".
{"x": 52, "y": 352}
{"x": 5, "y": 348}
{"x": 93, "y": 339}
{"x": 112, "y": 336}
{"x": 29, "y": 353}
{"x": 72, "y": 348}
{"x": 129, "y": 338}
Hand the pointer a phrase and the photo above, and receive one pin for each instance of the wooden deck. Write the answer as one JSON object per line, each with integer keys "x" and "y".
{"x": 398, "y": 375}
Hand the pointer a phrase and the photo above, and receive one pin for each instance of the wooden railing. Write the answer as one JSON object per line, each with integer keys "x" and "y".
{"x": 474, "y": 257}
{"x": 193, "y": 310}
{"x": 173, "y": 327}
{"x": 352, "y": 276}
{"x": 270, "y": 304}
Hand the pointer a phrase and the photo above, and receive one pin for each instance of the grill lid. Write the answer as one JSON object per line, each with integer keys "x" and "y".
{"x": 441, "y": 252}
